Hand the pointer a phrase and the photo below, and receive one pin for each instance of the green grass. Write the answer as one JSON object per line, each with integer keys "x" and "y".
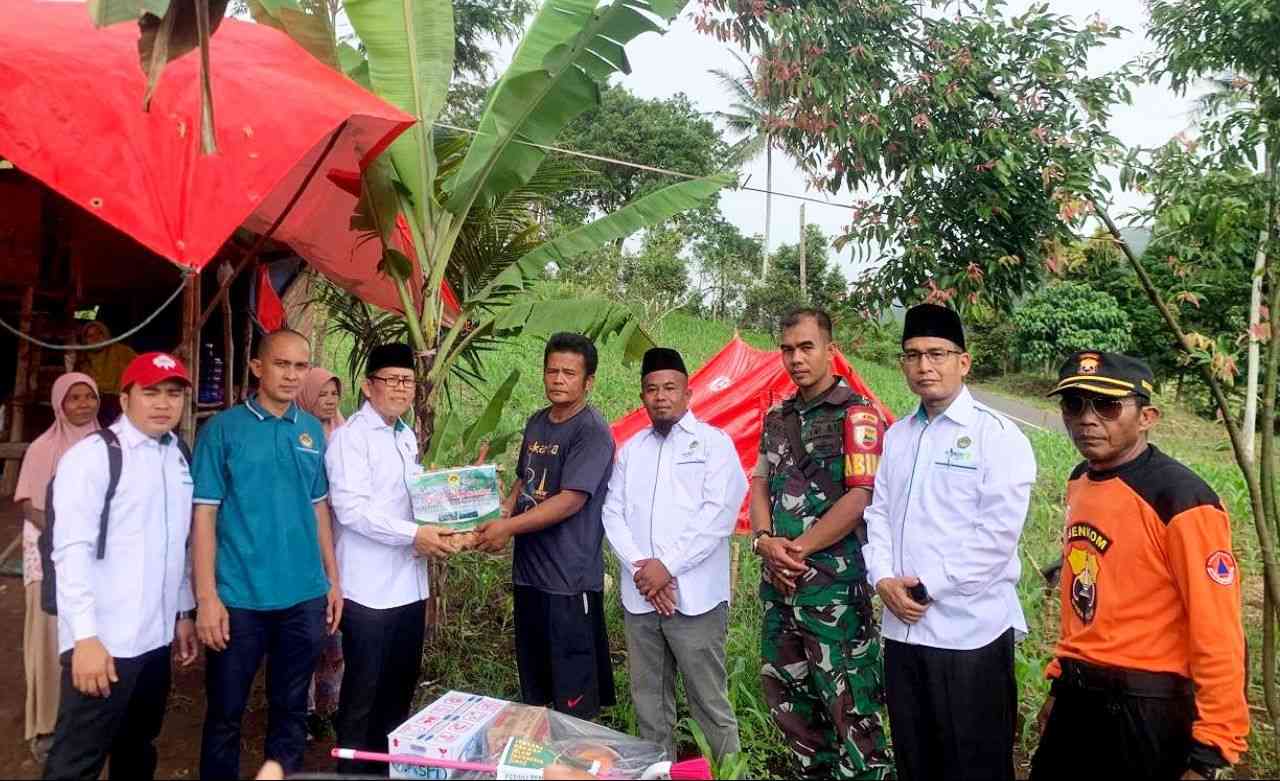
{"x": 473, "y": 651}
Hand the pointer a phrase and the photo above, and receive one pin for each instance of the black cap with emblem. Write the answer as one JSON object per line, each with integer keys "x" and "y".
{"x": 1106, "y": 374}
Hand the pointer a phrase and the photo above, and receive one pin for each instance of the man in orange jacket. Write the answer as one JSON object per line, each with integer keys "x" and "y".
{"x": 1149, "y": 674}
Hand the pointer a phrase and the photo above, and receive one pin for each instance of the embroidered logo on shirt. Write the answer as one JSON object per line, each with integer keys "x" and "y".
{"x": 963, "y": 442}
{"x": 305, "y": 440}
{"x": 1086, "y": 545}
{"x": 1221, "y": 568}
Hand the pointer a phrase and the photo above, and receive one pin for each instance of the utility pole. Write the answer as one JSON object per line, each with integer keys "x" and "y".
{"x": 804, "y": 275}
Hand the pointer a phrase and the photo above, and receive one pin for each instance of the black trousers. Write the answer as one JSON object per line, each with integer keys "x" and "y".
{"x": 562, "y": 651}
{"x": 122, "y": 726}
{"x": 382, "y": 651}
{"x": 952, "y": 714}
{"x": 1121, "y": 734}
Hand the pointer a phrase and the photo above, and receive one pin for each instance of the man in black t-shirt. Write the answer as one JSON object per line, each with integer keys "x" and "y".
{"x": 553, "y": 512}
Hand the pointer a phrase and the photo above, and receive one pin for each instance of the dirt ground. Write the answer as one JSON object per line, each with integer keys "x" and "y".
{"x": 179, "y": 744}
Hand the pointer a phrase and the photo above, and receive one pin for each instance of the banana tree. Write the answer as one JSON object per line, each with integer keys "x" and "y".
{"x": 569, "y": 51}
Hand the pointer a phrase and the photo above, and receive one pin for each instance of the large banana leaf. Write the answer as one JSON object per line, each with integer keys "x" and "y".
{"x": 568, "y": 52}
{"x": 487, "y": 423}
{"x": 309, "y": 28}
{"x": 107, "y": 12}
{"x": 597, "y": 318}
{"x": 652, "y": 209}
{"x": 410, "y": 44}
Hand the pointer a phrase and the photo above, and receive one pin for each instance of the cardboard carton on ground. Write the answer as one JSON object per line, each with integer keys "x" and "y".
{"x": 452, "y": 727}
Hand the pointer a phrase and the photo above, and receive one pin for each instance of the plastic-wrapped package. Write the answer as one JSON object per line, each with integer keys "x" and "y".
{"x": 510, "y": 740}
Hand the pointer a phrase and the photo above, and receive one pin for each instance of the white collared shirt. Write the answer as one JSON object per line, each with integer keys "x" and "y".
{"x": 676, "y": 498}
{"x": 130, "y": 598}
{"x": 950, "y": 500}
{"x": 370, "y": 463}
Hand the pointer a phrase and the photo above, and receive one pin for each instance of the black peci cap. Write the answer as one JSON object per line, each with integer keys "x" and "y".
{"x": 933, "y": 320}
{"x": 395, "y": 355}
{"x": 658, "y": 359}
{"x": 1106, "y": 374}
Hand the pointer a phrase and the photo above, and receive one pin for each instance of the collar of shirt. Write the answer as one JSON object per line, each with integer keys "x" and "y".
{"x": 375, "y": 419}
{"x": 838, "y": 393}
{"x": 290, "y": 414}
{"x": 687, "y": 423}
{"x": 961, "y": 409}
{"x": 131, "y": 437}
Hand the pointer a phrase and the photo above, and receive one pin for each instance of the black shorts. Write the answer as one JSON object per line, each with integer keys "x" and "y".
{"x": 562, "y": 651}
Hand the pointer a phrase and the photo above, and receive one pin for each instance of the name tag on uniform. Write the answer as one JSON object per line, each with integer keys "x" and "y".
{"x": 692, "y": 453}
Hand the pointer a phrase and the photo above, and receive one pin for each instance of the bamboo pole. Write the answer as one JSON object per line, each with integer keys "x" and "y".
{"x": 190, "y": 350}
{"x": 225, "y": 287}
{"x": 21, "y": 388}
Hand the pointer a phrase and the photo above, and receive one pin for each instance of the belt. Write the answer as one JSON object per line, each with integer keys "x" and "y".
{"x": 1120, "y": 680}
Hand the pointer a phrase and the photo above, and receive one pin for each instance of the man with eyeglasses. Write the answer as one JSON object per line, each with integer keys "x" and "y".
{"x": 1149, "y": 669}
{"x": 380, "y": 557}
{"x": 951, "y": 497}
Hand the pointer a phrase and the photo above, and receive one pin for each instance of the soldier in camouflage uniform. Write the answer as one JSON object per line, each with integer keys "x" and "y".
{"x": 822, "y": 673}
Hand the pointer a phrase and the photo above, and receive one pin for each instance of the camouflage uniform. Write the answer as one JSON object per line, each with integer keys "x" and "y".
{"x": 822, "y": 672}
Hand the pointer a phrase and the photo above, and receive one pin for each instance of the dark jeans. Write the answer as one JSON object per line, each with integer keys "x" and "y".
{"x": 291, "y": 639}
{"x": 383, "y": 654}
{"x": 952, "y": 714}
{"x": 123, "y": 725}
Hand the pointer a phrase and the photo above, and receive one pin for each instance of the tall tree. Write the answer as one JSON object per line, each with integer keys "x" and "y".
{"x": 754, "y": 116}
{"x": 667, "y": 133}
{"x": 983, "y": 133}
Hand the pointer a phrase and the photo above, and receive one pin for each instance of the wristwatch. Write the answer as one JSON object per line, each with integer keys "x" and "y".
{"x": 755, "y": 539}
{"x": 189, "y": 615}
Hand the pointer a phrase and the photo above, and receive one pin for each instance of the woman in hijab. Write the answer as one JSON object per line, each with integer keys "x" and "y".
{"x": 105, "y": 365}
{"x": 320, "y": 394}
{"x": 75, "y": 409}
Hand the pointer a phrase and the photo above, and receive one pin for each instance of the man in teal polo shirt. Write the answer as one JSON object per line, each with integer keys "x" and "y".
{"x": 262, "y": 550}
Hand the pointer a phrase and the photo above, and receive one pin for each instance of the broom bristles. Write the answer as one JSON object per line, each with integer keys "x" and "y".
{"x": 692, "y": 770}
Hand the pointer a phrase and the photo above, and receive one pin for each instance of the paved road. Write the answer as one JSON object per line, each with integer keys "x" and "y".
{"x": 1026, "y": 415}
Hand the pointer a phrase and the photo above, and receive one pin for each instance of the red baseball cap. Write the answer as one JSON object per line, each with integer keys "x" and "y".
{"x": 152, "y": 369}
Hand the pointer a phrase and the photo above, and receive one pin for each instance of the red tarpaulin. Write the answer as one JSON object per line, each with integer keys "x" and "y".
{"x": 733, "y": 390}
{"x": 71, "y": 116}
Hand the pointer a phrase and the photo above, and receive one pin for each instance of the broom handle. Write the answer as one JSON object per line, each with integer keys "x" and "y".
{"x": 405, "y": 759}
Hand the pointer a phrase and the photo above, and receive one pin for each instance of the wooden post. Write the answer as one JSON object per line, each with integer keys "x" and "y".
{"x": 804, "y": 275}
{"x": 21, "y": 390}
{"x": 190, "y": 350}
{"x": 228, "y": 346}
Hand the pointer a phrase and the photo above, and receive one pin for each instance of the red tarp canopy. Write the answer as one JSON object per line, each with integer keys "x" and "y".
{"x": 733, "y": 390}
{"x": 71, "y": 116}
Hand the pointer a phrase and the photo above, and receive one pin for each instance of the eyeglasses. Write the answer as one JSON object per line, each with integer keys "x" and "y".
{"x": 1075, "y": 406}
{"x": 395, "y": 382}
{"x": 934, "y": 357}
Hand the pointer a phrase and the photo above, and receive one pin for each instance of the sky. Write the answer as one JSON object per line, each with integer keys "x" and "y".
{"x": 681, "y": 61}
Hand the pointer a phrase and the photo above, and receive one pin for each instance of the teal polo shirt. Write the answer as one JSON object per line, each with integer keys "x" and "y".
{"x": 264, "y": 474}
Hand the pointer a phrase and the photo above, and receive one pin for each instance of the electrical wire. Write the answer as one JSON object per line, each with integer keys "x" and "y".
{"x": 73, "y": 347}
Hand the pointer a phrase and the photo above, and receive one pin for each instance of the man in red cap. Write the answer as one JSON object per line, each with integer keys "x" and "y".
{"x": 121, "y": 503}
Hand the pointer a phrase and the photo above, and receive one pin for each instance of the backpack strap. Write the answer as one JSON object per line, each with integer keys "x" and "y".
{"x": 183, "y": 448}
{"x": 115, "y": 466}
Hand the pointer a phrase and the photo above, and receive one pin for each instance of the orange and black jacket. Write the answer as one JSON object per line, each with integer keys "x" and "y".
{"x": 1149, "y": 583}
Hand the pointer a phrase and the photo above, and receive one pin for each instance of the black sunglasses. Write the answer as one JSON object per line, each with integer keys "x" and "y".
{"x": 1074, "y": 406}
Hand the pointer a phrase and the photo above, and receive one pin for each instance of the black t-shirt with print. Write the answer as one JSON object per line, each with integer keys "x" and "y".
{"x": 574, "y": 455}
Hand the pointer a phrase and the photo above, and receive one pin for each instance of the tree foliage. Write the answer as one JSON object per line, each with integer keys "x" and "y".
{"x": 668, "y": 133}
{"x": 1063, "y": 318}
{"x": 983, "y": 133}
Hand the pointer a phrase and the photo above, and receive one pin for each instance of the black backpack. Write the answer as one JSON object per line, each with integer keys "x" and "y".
{"x": 115, "y": 466}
